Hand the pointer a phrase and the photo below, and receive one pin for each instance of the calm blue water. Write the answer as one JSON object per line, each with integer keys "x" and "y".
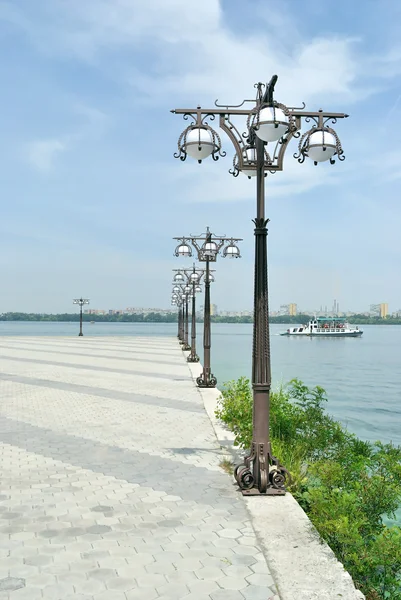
{"x": 362, "y": 376}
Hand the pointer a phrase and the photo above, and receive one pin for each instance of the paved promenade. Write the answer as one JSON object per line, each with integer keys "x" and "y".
{"x": 111, "y": 487}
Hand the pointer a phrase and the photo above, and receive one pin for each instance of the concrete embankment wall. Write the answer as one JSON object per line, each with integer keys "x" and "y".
{"x": 304, "y": 567}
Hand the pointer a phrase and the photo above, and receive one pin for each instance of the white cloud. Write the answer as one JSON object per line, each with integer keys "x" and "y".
{"x": 194, "y": 52}
{"x": 42, "y": 153}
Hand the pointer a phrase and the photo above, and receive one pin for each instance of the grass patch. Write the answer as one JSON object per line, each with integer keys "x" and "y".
{"x": 227, "y": 465}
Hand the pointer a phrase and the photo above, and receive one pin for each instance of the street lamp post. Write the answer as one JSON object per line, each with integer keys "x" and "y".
{"x": 193, "y": 278}
{"x": 207, "y": 246}
{"x": 81, "y": 302}
{"x": 175, "y": 301}
{"x": 269, "y": 125}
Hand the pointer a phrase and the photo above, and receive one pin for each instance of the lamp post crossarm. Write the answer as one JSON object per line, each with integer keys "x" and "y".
{"x": 296, "y": 112}
{"x": 241, "y": 142}
{"x": 189, "y": 272}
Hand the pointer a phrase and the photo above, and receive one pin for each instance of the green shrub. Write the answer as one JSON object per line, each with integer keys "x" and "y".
{"x": 346, "y": 485}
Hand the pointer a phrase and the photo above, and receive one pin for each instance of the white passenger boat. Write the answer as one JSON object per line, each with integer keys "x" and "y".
{"x": 327, "y": 326}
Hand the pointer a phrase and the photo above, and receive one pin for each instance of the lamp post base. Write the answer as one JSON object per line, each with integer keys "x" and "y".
{"x": 206, "y": 381}
{"x": 186, "y": 347}
{"x": 80, "y": 334}
{"x": 261, "y": 475}
{"x": 193, "y": 358}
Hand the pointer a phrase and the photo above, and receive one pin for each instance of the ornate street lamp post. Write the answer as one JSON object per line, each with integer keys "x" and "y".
{"x": 193, "y": 278}
{"x": 259, "y": 151}
{"x": 207, "y": 246}
{"x": 175, "y": 301}
{"x": 81, "y": 302}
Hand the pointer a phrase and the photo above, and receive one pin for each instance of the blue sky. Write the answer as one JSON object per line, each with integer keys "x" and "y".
{"x": 91, "y": 194}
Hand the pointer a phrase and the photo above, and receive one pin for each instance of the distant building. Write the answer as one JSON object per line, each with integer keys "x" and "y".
{"x": 213, "y": 309}
{"x": 379, "y": 310}
{"x": 288, "y": 309}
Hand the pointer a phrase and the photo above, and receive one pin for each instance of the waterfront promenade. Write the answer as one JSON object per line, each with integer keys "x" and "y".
{"x": 111, "y": 487}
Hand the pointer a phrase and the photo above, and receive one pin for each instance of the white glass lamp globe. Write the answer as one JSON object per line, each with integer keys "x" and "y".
{"x": 198, "y": 288}
{"x": 199, "y": 143}
{"x": 250, "y": 157}
{"x": 211, "y": 278}
{"x": 187, "y": 289}
{"x": 321, "y": 146}
{"x": 183, "y": 297}
{"x": 232, "y": 251}
{"x": 210, "y": 249}
{"x": 176, "y": 289}
{"x": 184, "y": 250}
{"x": 272, "y": 125}
{"x": 179, "y": 277}
{"x": 194, "y": 277}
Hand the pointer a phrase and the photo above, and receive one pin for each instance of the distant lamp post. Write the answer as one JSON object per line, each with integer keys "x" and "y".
{"x": 270, "y": 126}
{"x": 175, "y": 301}
{"x": 80, "y": 302}
{"x": 207, "y": 246}
{"x": 193, "y": 278}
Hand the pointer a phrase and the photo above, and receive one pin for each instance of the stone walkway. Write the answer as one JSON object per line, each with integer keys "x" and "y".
{"x": 111, "y": 487}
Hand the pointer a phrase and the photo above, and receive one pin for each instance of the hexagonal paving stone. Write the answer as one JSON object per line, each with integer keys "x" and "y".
{"x": 91, "y": 587}
{"x": 188, "y": 564}
{"x": 226, "y": 595}
{"x": 38, "y": 561}
{"x": 173, "y": 590}
{"x": 260, "y": 579}
{"x": 99, "y": 529}
{"x": 138, "y": 594}
{"x": 203, "y": 588}
{"x": 50, "y": 592}
{"x": 154, "y": 580}
{"x": 209, "y": 573}
{"x": 112, "y": 595}
{"x": 229, "y": 533}
{"x": 102, "y": 574}
{"x": 233, "y": 583}
{"x": 238, "y": 571}
{"x": 164, "y": 568}
{"x": 9, "y": 584}
{"x": 255, "y": 592}
{"x": 121, "y": 583}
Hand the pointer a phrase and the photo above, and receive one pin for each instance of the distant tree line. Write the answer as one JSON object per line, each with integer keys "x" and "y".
{"x": 155, "y": 317}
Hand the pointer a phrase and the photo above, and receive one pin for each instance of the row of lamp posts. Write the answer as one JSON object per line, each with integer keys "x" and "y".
{"x": 259, "y": 152}
{"x": 207, "y": 247}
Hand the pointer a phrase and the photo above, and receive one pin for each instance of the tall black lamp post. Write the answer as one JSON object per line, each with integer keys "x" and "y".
{"x": 259, "y": 151}
{"x": 81, "y": 302}
{"x": 207, "y": 246}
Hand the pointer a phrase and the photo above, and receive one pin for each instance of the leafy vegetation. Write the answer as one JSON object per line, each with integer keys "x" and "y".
{"x": 346, "y": 486}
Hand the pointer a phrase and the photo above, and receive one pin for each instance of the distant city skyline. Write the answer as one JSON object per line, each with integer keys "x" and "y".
{"x": 291, "y": 309}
